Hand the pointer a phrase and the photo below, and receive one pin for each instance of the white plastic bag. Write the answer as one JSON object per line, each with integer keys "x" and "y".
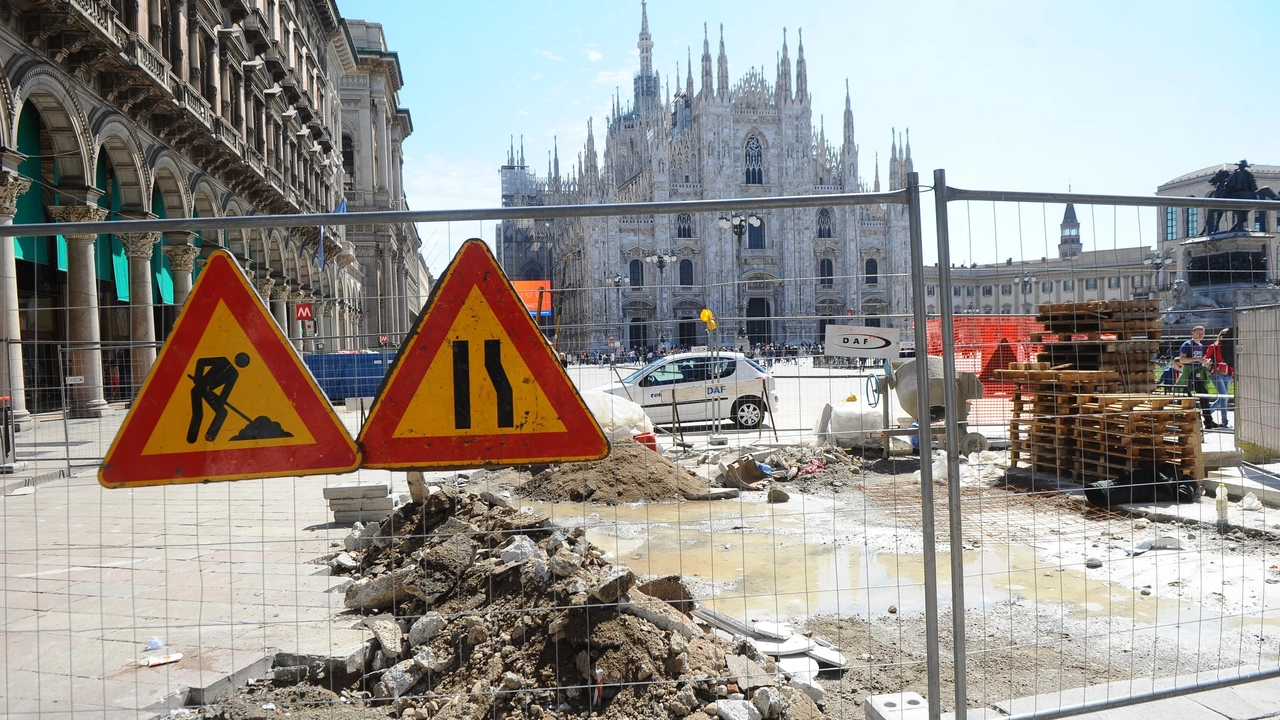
{"x": 850, "y": 423}
{"x": 1250, "y": 502}
{"x": 618, "y": 416}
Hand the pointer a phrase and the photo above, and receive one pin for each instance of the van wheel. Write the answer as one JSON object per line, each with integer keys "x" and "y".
{"x": 748, "y": 412}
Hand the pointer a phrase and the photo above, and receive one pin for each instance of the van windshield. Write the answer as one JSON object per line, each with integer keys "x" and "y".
{"x": 637, "y": 374}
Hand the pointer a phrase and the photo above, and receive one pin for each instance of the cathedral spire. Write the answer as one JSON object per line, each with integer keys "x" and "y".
{"x": 555, "y": 143}
{"x": 802, "y": 72}
{"x": 511, "y": 151}
{"x": 707, "y": 88}
{"x": 877, "y": 188}
{"x": 848, "y": 118}
{"x": 784, "y": 72}
{"x": 688, "y": 83}
{"x": 722, "y": 69}
{"x": 646, "y": 42}
{"x": 521, "y": 151}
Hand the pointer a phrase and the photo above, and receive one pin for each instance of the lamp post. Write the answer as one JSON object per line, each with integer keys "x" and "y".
{"x": 618, "y": 280}
{"x": 1157, "y": 263}
{"x": 738, "y": 223}
{"x": 660, "y": 259}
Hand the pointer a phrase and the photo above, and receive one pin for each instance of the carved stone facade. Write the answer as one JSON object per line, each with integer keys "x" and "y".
{"x": 751, "y": 139}
{"x": 374, "y": 127}
{"x": 166, "y": 109}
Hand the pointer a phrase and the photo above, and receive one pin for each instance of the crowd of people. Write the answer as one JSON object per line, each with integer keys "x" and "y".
{"x": 766, "y": 354}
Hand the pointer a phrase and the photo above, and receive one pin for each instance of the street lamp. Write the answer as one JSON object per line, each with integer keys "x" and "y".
{"x": 738, "y": 223}
{"x": 1157, "y": 263}
{"x": 618, "y": 280}
{"x": 660, "y": 259}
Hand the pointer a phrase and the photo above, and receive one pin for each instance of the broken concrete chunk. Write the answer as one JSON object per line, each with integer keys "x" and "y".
{"x": 494, "y": 500}
{"x": 768, "y": 702}
{"x": 389, "y": 636}
{"x": 659, "y": 614}
{"x": 344, "y": 561}
{"x": 351, "y": 492}
{"x": 747, "y": 673}
{"x": 684, "y": 702}
{"x": 290, "y": 675}
{"x": 427, "y": 659}
{"x": 713, "y": 494}
{"x": 565, "y": 563}
{"x": 672, "y": 590}
{"x": 425, "y": 628}
{"x": 511, "y": 681}
{"x": 799, "y": 706}
{"x": 614, "y": 581}
{"x": 736, "y": 710}
{"x": 399, "y": 678}
{"x": 379, "y": 592}
{"x": 778, "y": 495}
{"x": 520, "y": 548}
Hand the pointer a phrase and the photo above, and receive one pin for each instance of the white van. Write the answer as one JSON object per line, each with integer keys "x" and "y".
{"x": 697, "y": 379}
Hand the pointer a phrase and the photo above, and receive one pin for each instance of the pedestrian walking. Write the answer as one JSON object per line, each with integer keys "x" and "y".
{"x": 1195, "y": 373}
{"x": 1220, "y": 375}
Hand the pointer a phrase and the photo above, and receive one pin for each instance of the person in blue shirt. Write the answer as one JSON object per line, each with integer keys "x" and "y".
{"x": 1197, "y": 369}
{"x": 1169, "y": 378}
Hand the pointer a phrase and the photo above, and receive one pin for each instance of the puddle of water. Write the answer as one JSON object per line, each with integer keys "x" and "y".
{"x": 764, "y": 561}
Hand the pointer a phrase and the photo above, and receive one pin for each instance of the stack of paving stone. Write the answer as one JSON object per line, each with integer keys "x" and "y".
{"x": 1121, "y": 336}
{"x": 1120, "y": 433}
{"x": 360, "y": 502}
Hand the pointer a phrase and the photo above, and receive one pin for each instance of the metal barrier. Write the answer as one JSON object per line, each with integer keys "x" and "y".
{"x": 831, "y": 558}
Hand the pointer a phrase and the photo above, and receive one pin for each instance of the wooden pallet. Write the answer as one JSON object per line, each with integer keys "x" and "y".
{"x": 1094, "y": 336}
{"x": 1132, "y": 402}
{"x": 1101, "y": 308}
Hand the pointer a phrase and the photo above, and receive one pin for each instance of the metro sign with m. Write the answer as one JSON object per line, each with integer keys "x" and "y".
{"x": 303, "y": 311}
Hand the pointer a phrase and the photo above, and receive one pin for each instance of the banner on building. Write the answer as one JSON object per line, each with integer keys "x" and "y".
{"x": 528, "y": 290}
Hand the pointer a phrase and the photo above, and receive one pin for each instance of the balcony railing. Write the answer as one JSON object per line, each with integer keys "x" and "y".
{"x": 148, "y": 60}
{"x": 256, "y": 32}
{"x": 193, "y": 103}
{"x": 102, "y": 16}
{"x": 229, "y": 136}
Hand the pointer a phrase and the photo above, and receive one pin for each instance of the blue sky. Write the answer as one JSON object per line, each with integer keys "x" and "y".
{"x": 1108, "y": 97}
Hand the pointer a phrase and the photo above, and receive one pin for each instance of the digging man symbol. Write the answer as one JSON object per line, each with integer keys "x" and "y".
{"x": 213, "y": 381}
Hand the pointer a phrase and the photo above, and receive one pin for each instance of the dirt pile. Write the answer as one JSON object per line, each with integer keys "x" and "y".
{"x": 483, "y": 610}
{"x": 630, "y": 473}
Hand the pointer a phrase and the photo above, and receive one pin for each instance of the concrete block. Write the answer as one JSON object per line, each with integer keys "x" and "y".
{"x": 350, "y": 516}
{"x": 385, "y": 504}
{"x": 373, "y": 490}
{"x": 354, "y": 404}
{"x": 896, "y": 706}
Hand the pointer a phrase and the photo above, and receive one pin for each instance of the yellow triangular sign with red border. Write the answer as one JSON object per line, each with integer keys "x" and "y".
{"x": 476, "y": 383}
{"x": 228, "y": 398}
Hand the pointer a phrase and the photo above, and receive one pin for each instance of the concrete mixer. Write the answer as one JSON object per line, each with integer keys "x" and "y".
{"x": 901, "y": 377}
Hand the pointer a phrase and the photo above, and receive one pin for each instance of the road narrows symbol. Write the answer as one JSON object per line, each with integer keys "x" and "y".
{"x": 501, "y": 385}
{"x": 461, "y": 384}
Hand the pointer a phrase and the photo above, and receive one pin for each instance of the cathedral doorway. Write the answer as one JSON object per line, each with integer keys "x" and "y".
{"x": 637, "y": 334}
{"x": 759, "y": 328}
{"x": 688, "y": 333}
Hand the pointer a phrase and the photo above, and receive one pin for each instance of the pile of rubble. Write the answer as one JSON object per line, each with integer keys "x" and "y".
{"x": 630, "y": 473}
{"x": 481, "y": 609}
{"x": 798, "y": 467}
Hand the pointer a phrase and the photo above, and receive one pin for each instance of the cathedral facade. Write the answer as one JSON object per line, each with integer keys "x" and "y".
{"x": 642, "y": 280}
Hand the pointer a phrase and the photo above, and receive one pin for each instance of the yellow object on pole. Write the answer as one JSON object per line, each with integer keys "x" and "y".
{"x": 709, "y": 318}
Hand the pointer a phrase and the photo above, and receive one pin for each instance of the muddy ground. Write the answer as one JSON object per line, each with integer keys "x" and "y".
{"x": 1017, "y": 647}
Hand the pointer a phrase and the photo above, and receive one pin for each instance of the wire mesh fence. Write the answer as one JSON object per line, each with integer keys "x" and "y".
{"x": 793, "y": 556}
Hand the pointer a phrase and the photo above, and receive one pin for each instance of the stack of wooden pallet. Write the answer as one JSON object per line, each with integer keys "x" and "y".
{"x": 1042, "y": 431}
{"x": 1114, "y": 335}
{"x": 1121, "y": 433}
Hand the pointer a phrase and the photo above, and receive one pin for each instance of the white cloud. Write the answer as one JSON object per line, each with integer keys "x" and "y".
{"x": 621, "y": 76}
{"x": 592, "y": 54}
{"x": 549, "y": 55}
{"x": 536, "y": 77}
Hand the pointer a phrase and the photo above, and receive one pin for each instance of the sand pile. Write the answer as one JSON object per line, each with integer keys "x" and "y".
{"x": 630, "y": 473}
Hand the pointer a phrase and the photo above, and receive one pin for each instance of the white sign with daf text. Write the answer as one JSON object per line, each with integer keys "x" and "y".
{"x": 857, "y": 341}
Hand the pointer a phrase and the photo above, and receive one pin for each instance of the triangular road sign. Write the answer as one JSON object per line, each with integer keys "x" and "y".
{"x": 476, "y": 384}
{"x": 227, "y": 399}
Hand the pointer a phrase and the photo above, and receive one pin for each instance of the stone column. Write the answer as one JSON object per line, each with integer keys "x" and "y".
{"x": 85, "y": 353}
{"x": 279, "y": 306}
{"x": 325, "y": 323}
{"x": 138, "y": 247}
{"x": 182, "y": 260}
{"x": 11, "y": 381}
{"x": 291, "y": 313}
{"x": 264, "y": 291}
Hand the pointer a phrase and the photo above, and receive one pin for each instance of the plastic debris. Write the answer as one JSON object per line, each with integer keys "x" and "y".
{"x": 154, "y": 643}
{"x": 155, "y": 660}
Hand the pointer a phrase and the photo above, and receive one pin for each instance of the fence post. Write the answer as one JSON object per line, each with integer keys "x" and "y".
{"x": 925, "y": 434}
{"x": 951, "y": 402}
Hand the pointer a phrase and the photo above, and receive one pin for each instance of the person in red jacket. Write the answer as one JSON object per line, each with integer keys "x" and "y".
{"x": 1220, "y": 373}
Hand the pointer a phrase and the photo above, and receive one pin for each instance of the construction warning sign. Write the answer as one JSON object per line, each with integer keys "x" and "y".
{"x": 476, "y": 384}
{"x": 227, "y": 399}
